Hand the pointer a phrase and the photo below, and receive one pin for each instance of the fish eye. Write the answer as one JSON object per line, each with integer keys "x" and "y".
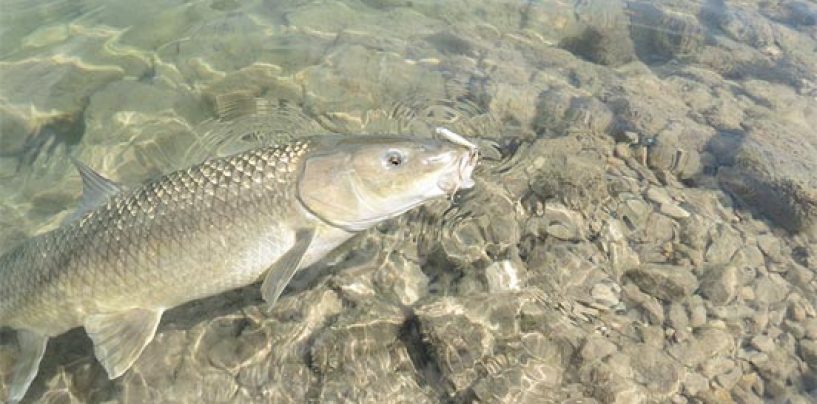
{"x": 393, "y": 159}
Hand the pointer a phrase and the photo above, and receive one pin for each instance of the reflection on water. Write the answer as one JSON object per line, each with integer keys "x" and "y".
{"x": 643, "y": 229}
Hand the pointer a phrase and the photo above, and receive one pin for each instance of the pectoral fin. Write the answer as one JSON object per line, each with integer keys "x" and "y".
{"x": 119, "y": 338}
{"x": 284, "y": 269}
{"x": 32, "y": 348}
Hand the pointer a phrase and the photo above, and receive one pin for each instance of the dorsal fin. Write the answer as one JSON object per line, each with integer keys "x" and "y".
{"x": 96, "y": 190}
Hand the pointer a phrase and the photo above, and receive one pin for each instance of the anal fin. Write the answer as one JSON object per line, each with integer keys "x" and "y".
{"x": 119, "y": 338}
{"x": 280, "y": 273}
{"x": 32, "y": 348}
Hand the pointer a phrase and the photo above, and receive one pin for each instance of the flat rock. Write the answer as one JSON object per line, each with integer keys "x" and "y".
{"x": 596, "y": 348}
{"x": 720, "y": 283}
{"x": 774, "y": 173}
{"x": 666, "y": 282}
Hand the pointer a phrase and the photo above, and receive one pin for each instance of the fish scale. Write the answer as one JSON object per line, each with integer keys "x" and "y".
{"x": 127, "y": 256}
{"x": 115, "y": 249}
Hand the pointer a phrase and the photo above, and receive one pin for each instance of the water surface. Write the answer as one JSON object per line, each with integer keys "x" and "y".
{"x": 643, "y": 228}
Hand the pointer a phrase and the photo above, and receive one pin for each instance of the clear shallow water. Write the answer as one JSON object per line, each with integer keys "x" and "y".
{"x": 642, "y": 229}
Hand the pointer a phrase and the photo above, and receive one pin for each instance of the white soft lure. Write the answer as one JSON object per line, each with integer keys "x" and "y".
{"x": 469, "y": 164}
{"x": 455, "y": 138}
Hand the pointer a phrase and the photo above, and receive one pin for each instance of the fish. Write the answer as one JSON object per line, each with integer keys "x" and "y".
{"x": 129, "y": 254}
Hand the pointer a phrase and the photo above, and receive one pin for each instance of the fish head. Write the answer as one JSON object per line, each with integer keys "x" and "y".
{"x": 356, "y": 182}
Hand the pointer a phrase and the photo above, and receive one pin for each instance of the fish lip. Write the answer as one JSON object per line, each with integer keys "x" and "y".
{"x": 465, "y": 164}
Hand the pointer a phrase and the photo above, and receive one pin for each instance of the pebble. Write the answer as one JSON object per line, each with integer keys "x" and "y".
{"x": 717, "y": 366}
{"x": 729, "y": 379}
{"x": 796, "y": 311}
{"x": 747, "y": 293}
{"x": 634, "y": 212}
{"x": 622, "y": 151}
{"x": 677, "y": 316}
{"x": 596, "y": 348}
{"x": 694, "y": 383}
{"x": 218, "y": 387}
{"x": 760, "y": 320}
{"x": 724, "y": 245}
{"x": 794, "y": 328}
{"x": 771, "y": 289}
{"x": 719, "y": 284}
{"x": 631, "y": 137}
{"x": 658, "y": 195}
{"x": 666, "y": 282}
{"x": 606, "y": 294}
{"x": 697, "y": 313}
{"x": 749, "y": 256}
{"x": 674, "y": 211}
{"x": 563, "y": 223}
{"x": 755, "y": 358}
{"x": 762, "y": 343}
{"x": 649, "y": 304}
{"x": 505, "y": 275}
{"x": 770, "y": 245}
{"x": 810, "y": 327}
{"x": 808, "y": 351}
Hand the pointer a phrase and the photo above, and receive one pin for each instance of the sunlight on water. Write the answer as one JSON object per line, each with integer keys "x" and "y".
{"x": 643, "y": 226}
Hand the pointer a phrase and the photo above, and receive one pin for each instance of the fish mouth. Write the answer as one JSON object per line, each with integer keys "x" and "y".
{"x": 464, "y": 165}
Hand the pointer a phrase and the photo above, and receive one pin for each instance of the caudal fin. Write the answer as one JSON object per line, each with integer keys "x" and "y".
{"x": 32, "y": 348}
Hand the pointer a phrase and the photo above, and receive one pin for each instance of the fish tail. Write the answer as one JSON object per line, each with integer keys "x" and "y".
{"x": 32, "y": 347}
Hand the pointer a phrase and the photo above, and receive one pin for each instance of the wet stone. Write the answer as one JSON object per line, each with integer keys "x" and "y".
{"x": 650, "y": 305}
{"x": 728, "y": 380}
{"x": 705, "y": 343}
{"x": 697, "y": 312}
{"x": 808, "y": 351}
{"x": 658, "y": 195}
{"x": 810, "y": 328}
{"x": 456, "y": 341}
{"x": 719, "y": 284}
{"x": 370, "y": 334}
{"x": 694, "y": 383}
{"x": 596, "y": 348}
{"x": 634, "y": 212}
{"x": 771, "y": 289}
{"x": 666, "y": 282}
{"x": 749, "y": 256}
{"x": 674, "y": 211}
{"x": 562, "y": 223}
{"x": 217, "y": 387}
{"x": 506, "y": 275}
{"x": 796, "y": 311}
{"x": 763, "y": 343}
{"x": 770, "y": 245}
{"x": 725, "y": 243}
{"x": 529, "y": 382}
{"x": 607, "y": 294}
{"x": 717, "y": 366}
{"x": 402, "y": 279}
{"x": 677, "y": 316}
{"x": 659, "y": 374}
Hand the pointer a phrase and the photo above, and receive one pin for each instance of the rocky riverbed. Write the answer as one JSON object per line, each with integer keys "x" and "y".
{"x": 643, "y": 229}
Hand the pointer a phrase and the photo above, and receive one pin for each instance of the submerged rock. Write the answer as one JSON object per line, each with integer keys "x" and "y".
{"x": 666, "y": 282}
{"x": 639, "y": 231}
{"x": 720, "y": 284}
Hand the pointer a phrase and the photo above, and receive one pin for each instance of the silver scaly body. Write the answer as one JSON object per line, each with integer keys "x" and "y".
{"x": 191, "y": 234}
{"x": 127, "y": 256}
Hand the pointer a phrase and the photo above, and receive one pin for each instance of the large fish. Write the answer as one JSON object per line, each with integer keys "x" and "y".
{"x": 127, "y": 256}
